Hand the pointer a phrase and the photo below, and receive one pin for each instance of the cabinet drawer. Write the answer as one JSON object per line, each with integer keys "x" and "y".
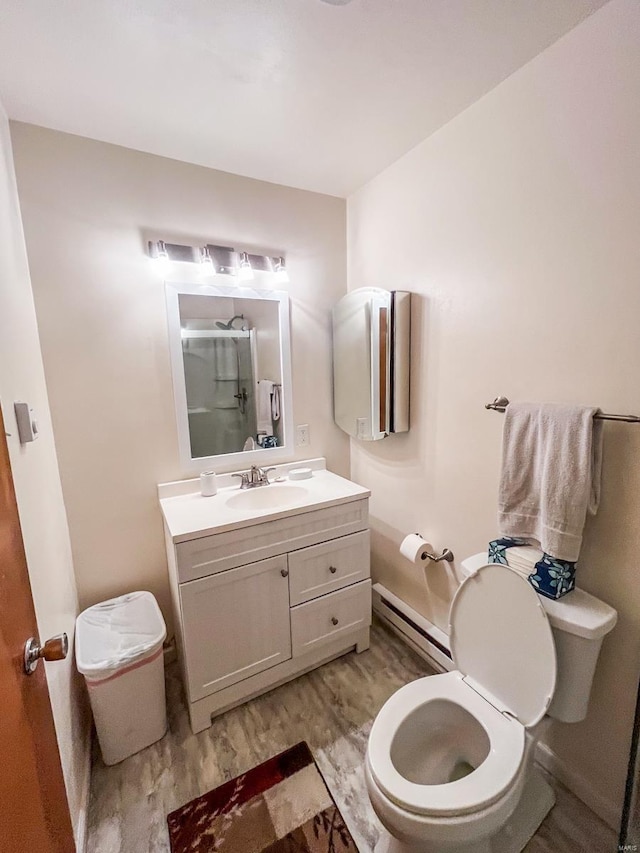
{"x": 327, "y": 567}
{"x": 323, "y": 619}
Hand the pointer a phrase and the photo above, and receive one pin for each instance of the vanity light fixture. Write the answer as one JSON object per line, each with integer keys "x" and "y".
{"x": 245, "y": 273}
{"x": 216, "y": 260}
{"x": 280, "y": 271}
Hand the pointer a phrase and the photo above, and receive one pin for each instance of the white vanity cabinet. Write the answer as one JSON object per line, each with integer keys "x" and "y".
{"x": 258, "y": 605}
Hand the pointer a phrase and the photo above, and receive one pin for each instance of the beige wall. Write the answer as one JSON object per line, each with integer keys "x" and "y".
{"x": 37, "y": 483}
{"x": 87, "y": 207}
{"x": 517, "y": 226}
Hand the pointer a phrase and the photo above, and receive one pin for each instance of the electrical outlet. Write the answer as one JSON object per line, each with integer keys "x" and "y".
{"x": 302, "y": 435}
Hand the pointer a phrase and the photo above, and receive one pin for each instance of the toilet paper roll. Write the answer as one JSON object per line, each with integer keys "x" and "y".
{"x": 414, "y": 548}
{"x": 208, "y": 484}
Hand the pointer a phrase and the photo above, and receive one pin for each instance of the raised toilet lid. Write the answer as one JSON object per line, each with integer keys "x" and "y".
{"x": 501, "y": 641}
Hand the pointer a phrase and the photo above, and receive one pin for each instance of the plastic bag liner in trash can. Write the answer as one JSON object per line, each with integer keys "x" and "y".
{"x": 119, "y": 652}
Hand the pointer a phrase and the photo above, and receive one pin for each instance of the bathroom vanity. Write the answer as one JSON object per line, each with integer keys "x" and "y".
{"x": 266, "y": 583}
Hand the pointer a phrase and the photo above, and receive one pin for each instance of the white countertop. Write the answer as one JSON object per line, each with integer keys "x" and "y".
{"x": 191, "y": 516}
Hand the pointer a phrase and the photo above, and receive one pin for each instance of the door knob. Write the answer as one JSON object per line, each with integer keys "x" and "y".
{"x": 55, "y": 648}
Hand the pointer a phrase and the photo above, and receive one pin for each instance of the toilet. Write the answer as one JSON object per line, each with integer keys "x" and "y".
{"x": 449, "y": 765}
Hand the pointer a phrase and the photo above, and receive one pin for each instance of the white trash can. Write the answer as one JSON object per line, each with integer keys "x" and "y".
{"x": 119, "y": 652}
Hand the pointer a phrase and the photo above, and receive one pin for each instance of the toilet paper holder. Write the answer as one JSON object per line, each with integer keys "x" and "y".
{"x": 446, "y": 555}
{"x": 414, "y": 548}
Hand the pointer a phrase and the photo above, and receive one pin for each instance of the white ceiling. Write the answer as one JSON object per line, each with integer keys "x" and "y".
{"x": 298, "y": 92}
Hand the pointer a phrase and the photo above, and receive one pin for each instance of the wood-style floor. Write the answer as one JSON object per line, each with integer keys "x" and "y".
{"x": 332, "y": 708}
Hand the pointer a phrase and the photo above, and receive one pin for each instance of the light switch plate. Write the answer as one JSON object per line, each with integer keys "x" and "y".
{"x": 27, "y": 424}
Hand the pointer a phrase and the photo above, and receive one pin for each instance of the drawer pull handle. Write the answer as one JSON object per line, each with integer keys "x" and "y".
{"x": 334, "y": 620}
{"x": 284, "y": 572}
{"x": 333, "y": 569}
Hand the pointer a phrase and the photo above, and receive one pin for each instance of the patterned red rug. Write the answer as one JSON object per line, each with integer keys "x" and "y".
{"x": 281, "y": 806}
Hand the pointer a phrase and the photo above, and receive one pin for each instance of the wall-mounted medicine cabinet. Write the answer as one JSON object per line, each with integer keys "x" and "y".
{"x": 371, "y": 345}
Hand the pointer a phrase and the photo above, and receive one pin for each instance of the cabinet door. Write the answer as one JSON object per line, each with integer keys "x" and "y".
{"x": 235, "y": 624}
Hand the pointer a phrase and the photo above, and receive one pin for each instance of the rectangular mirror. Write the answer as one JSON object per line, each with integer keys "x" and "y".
{"x": 231, "y": 366}
{"x": 371, "y": 342}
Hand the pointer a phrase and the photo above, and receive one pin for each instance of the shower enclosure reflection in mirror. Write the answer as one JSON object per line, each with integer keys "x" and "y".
{"x": 231, "y": 366}
{"x": 371, "y": 342}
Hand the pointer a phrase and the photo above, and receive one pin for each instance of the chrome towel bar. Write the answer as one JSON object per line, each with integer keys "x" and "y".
{"x": 500, "y": 404}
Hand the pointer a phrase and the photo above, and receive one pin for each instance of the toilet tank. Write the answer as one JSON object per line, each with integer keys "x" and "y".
{"x": 579, "y": 622}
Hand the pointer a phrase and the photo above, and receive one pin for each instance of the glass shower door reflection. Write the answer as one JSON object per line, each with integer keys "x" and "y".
{"x": 220, "y": 386}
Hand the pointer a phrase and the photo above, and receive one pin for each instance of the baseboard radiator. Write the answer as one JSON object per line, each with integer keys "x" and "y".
{"x": 429, "y": 641}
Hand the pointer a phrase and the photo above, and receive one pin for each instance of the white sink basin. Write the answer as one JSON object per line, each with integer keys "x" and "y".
{"x": 267, "y": 497}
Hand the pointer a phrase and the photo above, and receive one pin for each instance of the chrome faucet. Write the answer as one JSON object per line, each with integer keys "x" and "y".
{"x": 255, "y": 477}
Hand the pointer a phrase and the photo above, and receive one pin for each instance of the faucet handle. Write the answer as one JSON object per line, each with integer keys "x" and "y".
{"x": 244, "y": 478}
{"x": 265, "y": 473}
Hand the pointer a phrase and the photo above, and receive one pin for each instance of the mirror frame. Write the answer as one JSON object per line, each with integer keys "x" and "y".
{"x": 241, "y": 458}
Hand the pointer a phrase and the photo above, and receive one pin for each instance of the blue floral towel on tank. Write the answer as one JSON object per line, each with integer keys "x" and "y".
{"x": 498, "y": 548}
{"x": 551, "y": 577}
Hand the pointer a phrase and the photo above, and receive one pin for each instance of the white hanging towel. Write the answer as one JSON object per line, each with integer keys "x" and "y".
{"x": 551, "y": 464}
{"x": 275, "y": 403}
{"x": 264, "y": 417}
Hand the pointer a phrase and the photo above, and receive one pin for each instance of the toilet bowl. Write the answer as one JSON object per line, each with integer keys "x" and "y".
{"x": 449, "y": 755}
{"x": 438, "y": 733}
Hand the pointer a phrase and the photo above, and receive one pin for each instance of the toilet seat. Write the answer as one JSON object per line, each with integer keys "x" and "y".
{"x": 501, "y": 641}
{"x": 473, "y": 792}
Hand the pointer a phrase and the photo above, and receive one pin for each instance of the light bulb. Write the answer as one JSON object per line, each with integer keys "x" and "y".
{"x": 207, "y": 267}
{"x": 160, "y": 258}
{"x": 245, "y": 273}
{"x": 280, "y": 273}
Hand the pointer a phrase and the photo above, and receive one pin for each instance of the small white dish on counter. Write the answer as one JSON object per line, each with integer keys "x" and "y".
{"x": 300, "y": 474}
